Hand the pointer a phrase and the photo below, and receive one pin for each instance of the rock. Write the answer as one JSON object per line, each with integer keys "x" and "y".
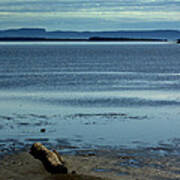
{"x": 59, "y": 157}
{"x": 52, "y": 161}
{"x": 43, "y": 130}
{"x": 73, "y": 172}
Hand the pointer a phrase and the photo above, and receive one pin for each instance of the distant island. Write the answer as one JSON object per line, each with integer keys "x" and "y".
{"x": 95, "y": 39}
{"x": 123, "y": 39}
{"x": 41, "y": 34}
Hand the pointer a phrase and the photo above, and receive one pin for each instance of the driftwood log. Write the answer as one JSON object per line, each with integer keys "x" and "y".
{"x": 52, "y": 161}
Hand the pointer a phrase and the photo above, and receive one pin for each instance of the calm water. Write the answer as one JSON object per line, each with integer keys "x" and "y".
{"x": 89, "y": 95}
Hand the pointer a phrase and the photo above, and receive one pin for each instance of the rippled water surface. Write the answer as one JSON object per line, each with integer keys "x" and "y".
{"x": 88, "y": 95}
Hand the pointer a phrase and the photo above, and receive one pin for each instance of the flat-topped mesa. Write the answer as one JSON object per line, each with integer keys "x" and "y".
{"x": 52, "y": 161}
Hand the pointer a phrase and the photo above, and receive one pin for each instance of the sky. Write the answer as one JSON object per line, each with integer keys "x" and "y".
{"x": 90, "y": 15}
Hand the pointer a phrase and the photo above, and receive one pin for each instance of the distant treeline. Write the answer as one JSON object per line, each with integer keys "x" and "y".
{"x": 74, "y": 39}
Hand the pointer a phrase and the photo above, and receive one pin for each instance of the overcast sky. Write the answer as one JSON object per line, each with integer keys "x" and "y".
{"x": 90, "y": 14}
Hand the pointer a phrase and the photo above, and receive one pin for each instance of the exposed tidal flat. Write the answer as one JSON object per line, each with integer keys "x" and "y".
{"x": 113, "y": 108}
{"x": 129, "y": 164}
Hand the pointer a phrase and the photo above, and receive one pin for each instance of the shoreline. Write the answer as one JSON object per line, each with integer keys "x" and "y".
{"x": 126, "y": 164}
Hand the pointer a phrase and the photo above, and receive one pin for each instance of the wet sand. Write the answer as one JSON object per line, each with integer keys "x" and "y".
{"x": 95, "y": 164}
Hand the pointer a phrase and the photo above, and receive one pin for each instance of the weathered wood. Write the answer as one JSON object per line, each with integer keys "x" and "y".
{"x": 59, "y": 157}
{"x": 52, "y": 161}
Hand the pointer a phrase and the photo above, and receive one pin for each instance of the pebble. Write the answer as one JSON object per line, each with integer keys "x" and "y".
{"x": 43, "y": 130}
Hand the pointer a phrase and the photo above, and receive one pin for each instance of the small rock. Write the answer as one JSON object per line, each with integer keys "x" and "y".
{"x": 91, "y": 154}
{"x": 43, "y": 130}
{"x": 73, "y": 172}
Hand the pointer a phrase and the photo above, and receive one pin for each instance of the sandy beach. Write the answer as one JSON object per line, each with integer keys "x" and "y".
{"x": 94, "y": 165}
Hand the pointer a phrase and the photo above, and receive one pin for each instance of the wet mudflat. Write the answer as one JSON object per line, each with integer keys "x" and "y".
{"x": 106, "y": 164}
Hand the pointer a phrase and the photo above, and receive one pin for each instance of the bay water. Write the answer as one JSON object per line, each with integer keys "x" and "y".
{"x": 90, "y": 94}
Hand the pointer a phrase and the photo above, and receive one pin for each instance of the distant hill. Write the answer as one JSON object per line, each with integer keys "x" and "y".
{"x": 42, "y": 33}
{"x": 24, "y": 32}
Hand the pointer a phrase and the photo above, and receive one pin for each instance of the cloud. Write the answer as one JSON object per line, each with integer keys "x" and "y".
{"x": 114, "y": 11}
{"x": 89, "y": 5}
